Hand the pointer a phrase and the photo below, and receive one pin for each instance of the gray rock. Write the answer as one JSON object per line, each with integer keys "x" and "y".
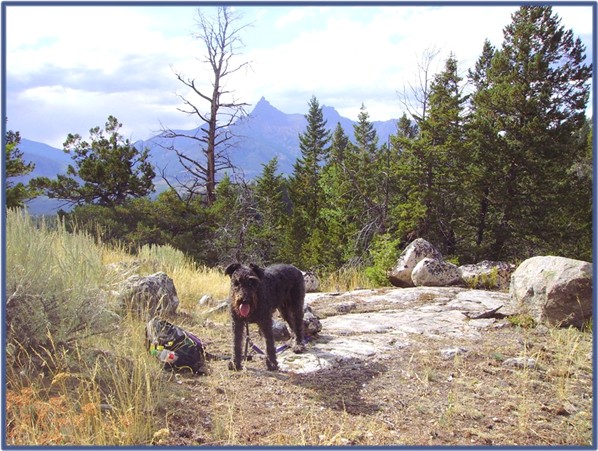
{"x": 488, "y": 274}
{"x": 311, "y": 322}
{"x": 312, "y": 283}
{"x": 149, "y": 295}
{"x": 280, "y": 330}
{"x": 206, "y": 300}
{"x": 451, "y": 353}
{"x": 431, "y": 272}
{"x": 220, "y": 307}
{"x": 346, "y": 307}
{"x": 400, "y": 275}
{"x": 520, "y": 362}
{"x": 555, "y": 290}
{"x": 395, "y": 319}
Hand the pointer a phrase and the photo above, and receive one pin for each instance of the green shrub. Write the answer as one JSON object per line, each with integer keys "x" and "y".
{"x": 55, "y": 284}
{"x": 384, "y": 252}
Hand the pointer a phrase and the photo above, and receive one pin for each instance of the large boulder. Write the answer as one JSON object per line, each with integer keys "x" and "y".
{"x": 432, "y": 272}
{"x": 400, "y": 275}
{"x": 487, "y": 274}
{"x": 555, "y": 290}
{"x": 149, "y": 295}
{"x": 312, "y": 283}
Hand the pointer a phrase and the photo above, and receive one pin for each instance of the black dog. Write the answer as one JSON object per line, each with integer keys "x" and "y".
{"x": 255, "y": 294}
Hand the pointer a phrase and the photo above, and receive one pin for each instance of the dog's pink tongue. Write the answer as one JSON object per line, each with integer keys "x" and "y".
{"x": 244, "y": 310}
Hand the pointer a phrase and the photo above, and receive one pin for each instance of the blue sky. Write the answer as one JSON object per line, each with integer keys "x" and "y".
{"x": 69, "y": 67}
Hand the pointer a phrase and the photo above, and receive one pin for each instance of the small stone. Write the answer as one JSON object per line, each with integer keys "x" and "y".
{"x": 452, "y": 352}
{"x": 346, "y": 307}
{"x": 206, "y": 299}
{"x": 520, "y": 362}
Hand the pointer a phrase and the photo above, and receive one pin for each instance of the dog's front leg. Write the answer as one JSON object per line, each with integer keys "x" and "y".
{"x": 237, "y": 346}
{"x": 266, "y": 328}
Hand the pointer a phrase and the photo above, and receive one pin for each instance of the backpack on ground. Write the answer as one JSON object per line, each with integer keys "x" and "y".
{"x": 176, "y": 348}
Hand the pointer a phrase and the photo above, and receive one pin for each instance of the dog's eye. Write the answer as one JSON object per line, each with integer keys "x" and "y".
{"x": 253, "y": 282}
{"x": 236, "y": 283}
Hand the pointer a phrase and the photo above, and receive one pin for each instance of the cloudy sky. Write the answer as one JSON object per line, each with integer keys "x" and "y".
{"x": 69, "y": 67}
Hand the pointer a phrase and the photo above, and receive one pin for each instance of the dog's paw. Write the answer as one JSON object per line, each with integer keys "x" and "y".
{"x": 233, "y": 367}
{"x": 298, "y": 348}
{"x": 271, "y": 366}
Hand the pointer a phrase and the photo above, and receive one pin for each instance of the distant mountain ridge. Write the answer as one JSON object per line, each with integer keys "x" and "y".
{"x": 263, "y": 134}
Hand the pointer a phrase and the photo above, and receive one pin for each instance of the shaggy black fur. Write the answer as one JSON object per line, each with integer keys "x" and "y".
{"x": 255, "y": 293}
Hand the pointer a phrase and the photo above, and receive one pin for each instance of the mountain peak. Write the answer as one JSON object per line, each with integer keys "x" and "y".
{"x": 264, "y": 110}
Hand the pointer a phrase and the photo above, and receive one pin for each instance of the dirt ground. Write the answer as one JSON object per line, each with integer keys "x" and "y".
{"x": 411, "y": 396}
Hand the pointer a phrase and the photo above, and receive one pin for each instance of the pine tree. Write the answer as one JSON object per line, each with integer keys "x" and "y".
{"x": 272, "y": 210}
{"x": 484, "y": 145}
{"x": 536, "y": 94}
{"x": 313, "y": 144}
{"x": 16, "y": 193}
{"x": 304, "y": 188}
{"x": 338, "y": 213}
{"x": 108, "y": 170}
{"x": 433, "y": 164}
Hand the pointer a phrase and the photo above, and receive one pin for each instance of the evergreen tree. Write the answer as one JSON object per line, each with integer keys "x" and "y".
{"x": 432, "y": 165}
{"x": 408, "y": 211}
{"x": 442, "y": 137}
{"x": 232, "y": 216}
{"x": 484, "y": 144}
{"x": 110, "y": 168}
{"x": 338, "y": 212}
{"x": 313, "y": 144}
{"x": 363, "y": 169}
{"x": 535, "y": 95}
{"x": 366, "y": 138}
{"x": 272, "y": 211}
{"x": 305, "y": 192}
{"x": 16, "y": 193}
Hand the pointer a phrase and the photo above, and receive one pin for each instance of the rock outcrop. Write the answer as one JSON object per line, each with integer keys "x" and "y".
{"x": 487, "y": 274}
{"x": 432, "y": 272}
{"x": 555, "y": 290}
{"x": 385, "y": 320}
{"x": 400, "y": 275}
{"x": 149, "y": 295}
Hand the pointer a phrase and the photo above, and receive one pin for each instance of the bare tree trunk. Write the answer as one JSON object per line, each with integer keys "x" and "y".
{"x": 415, "y": 100}
{"x": 222, "y": 41}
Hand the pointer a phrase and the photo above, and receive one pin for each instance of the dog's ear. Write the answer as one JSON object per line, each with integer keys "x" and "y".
{"x": 230, "y": 269}
{"x": 257, "y": 270}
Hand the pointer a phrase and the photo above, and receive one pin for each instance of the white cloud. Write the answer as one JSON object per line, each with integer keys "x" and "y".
{"x": 365, "y": 60}
{"x": 69, "y": 67}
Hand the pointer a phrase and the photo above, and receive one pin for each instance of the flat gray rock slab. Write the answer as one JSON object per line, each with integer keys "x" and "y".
{"x": 392, "y": 320}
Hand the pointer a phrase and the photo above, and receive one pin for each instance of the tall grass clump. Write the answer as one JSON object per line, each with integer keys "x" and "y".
{"x": 77, "y": 373}
{"x": 54, "y": 282}
{"x": 345, "y": 279}
{"x": 192, "y": 281}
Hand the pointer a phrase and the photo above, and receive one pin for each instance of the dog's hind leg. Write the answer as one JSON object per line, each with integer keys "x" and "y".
{"x": 294, "y": 319}
{"x": 298, "y": 329}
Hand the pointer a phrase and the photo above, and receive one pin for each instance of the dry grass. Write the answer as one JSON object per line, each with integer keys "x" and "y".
{"x": 107, "y": 390}
{"x": 412, "y": 398}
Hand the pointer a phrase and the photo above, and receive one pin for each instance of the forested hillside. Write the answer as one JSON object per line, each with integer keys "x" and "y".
{"x": 496, "y": 164}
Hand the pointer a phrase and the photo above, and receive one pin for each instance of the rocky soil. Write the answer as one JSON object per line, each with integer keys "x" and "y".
{"x": 413, "y": 366}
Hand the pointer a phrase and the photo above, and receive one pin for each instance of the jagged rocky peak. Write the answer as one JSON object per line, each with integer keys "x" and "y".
{"x": 264, "y": 107}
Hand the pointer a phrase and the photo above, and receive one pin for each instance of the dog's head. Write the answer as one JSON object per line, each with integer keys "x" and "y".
{"x": 244, "y": 285}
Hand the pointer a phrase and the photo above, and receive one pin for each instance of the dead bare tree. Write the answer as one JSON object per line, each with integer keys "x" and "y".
{"x": 217, "y": 108}
{"x": 415, "y": 96}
